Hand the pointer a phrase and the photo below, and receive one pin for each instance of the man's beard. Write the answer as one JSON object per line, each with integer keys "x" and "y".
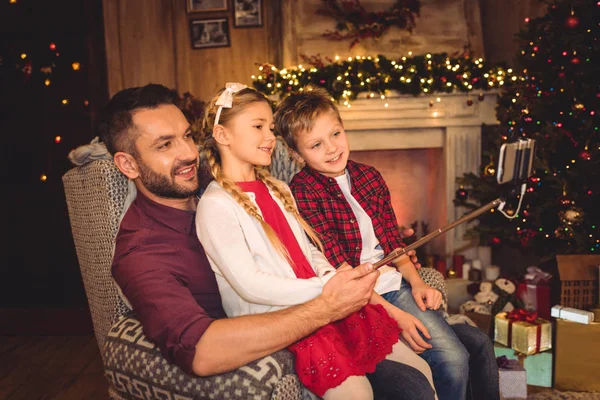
{"x": 165, "y": 186}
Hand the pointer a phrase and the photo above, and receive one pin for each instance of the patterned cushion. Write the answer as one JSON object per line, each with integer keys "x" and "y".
{"x": 136, "y": 368}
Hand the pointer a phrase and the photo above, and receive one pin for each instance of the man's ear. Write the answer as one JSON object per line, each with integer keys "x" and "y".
{"x": 221, "y": 135}
{"x": 297, "y": 157}
{"x": 126, "y": 164}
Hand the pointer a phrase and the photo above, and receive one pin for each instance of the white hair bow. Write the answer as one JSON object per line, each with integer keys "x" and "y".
{"x": 225, "y": 100}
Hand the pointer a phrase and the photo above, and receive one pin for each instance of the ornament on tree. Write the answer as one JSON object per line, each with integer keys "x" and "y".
{"x": 469, "y": 102}
{"x": 572, "y": 217}
{"x": 430, "y": 103}
{"x": 561, "y": 233}
{"x": 481, "y": 97}
{"x": 525, "y": 235}
{"x": 27, "y": 70}
{"x": 585, "y": 155}
{"x": 564, "y": 200}
{"x": 338, "y": 86}
{"x": 490, "y": 169}
{"x": 495, "y": 240}
{"x": 462, "y": 194}
{"x": 572, "y": 22}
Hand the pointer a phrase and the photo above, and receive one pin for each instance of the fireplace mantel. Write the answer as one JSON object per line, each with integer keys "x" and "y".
{"x": 444, "y": 121}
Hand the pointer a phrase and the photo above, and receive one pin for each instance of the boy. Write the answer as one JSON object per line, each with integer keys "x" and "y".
{"x": 348, "y": 204}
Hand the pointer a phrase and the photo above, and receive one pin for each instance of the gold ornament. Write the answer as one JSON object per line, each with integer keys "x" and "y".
{"x": 490, "y": 169}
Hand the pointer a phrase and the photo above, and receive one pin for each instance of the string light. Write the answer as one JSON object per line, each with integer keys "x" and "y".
{"x": 76, "y": 66}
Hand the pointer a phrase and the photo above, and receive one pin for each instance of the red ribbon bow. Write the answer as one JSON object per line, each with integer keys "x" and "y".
{"x": 520, "y": 314}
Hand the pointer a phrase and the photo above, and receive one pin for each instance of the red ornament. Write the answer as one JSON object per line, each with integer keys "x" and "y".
{"x": 469, "y": 102}
{"x": 481, "y": 97}
{"x": 564, "y": 200}
{"x": 462, "y": 194}
{"x": 572, "y": 22}
{"x": 585, "y": 155}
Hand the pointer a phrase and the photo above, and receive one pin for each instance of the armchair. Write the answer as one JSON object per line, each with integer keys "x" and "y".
{"x": 134, "y": 367}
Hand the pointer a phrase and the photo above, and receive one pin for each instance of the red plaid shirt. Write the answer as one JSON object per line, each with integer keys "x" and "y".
{"x": 323, "y": 205}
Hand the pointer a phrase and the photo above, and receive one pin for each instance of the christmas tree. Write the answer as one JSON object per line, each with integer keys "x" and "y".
{"x": 557, "y": 104}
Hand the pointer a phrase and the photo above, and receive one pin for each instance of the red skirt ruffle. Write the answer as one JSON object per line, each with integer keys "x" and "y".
{"x": 351, "y": 346}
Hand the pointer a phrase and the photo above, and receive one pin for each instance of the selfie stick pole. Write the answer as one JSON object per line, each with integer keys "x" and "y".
{"x": 397, "y": 253}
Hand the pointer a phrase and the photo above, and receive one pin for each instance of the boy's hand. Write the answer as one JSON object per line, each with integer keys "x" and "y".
{"x": 410, "y": 330}
{"x": 426, "y": 296}
{"x": 411, "y": 254}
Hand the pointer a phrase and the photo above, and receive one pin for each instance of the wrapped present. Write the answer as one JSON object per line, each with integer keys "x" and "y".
{"x": 523, "y": 331}
{"x": 577, "y": 356}
{"x": 538, "y": 366}
{"x": 513, "y": 379}
{"x": 534, "y": 292}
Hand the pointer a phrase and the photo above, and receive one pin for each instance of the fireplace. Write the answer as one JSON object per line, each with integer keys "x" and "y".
{"x": 420, "y": 145}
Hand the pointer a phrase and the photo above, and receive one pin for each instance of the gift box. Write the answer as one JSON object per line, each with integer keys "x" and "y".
{"x": 535, "y": 298}
{"x": 513, "y": 379}
{"x": 538, "y": 366}
{"x": 579, "y": 280}
{"x": 577, "y": 356}
{"x": 534, "y": 292}
{"x": 523, "y": 331}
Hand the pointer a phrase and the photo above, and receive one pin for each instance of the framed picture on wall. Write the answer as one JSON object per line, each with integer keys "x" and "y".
{"x": 247, "y": 13}
{"x": 206, "y": 5}
{"x": 206, "y": 33}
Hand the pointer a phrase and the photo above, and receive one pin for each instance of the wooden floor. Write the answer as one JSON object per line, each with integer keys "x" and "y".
{"x": 51, "y": 367}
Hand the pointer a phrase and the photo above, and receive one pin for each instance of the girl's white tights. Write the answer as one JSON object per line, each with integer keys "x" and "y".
{"x": 359, "y": 388}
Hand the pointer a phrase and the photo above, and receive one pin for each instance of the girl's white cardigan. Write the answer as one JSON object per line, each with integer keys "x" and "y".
{"x": 252, "y": 277}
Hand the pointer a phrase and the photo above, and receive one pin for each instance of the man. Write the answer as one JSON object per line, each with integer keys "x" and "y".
{"x": 162, "y": 270}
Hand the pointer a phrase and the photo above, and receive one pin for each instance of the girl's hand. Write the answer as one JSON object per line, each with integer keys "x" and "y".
{"x": 426, "y": 296}
{"x": 411, "y": 326}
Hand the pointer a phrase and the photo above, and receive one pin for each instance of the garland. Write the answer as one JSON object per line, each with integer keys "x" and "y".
{"x": 426, "y": 74}
{"x": 354, "y": 22}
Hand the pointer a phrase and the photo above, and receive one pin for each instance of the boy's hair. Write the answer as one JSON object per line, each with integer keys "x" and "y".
{"x": 299, "y": 111}
{"x": 115, "y": 125}
{"x": 211, "y": 161}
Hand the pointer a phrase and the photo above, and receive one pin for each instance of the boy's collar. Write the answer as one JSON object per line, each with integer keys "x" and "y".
{"x": 325, "y": 180}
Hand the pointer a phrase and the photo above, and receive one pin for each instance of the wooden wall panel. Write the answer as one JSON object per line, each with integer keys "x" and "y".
{"x": 146, "y": 37}
{"x": 151, "y": 43}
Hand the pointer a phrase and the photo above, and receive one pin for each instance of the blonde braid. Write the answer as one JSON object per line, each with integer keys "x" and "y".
{"x": 286, "y": 198}
{"x": 244, "y": 200}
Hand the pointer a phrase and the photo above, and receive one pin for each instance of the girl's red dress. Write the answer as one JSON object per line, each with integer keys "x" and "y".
{"x": 351, "y": 346}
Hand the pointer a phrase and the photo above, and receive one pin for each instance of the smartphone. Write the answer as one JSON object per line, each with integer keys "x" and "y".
{"x": 515, "y": 163}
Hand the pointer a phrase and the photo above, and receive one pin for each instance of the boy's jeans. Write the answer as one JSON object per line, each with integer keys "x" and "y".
{"x": 459, "y": 352}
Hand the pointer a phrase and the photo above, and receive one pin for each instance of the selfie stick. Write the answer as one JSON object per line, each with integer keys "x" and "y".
{"x": 397, "y": 253}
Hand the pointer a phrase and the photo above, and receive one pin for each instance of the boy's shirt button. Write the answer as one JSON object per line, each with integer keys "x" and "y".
{"x": 339, "y": 195}
{"x": 357, "y": 248}
{"x": 352, "y": 221}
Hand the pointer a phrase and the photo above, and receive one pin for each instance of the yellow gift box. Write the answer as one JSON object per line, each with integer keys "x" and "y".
{"x": 523, "y": 332}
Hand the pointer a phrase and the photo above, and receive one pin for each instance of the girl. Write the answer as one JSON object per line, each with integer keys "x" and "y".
{"x": 258, "y": 248}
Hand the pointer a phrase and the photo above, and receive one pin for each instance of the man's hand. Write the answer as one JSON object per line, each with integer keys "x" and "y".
{"x": 411, "y": 254}
{"x": 349, "y": 289}
{"x": 410, "y": 330}
{"x": 426, "y": 296}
